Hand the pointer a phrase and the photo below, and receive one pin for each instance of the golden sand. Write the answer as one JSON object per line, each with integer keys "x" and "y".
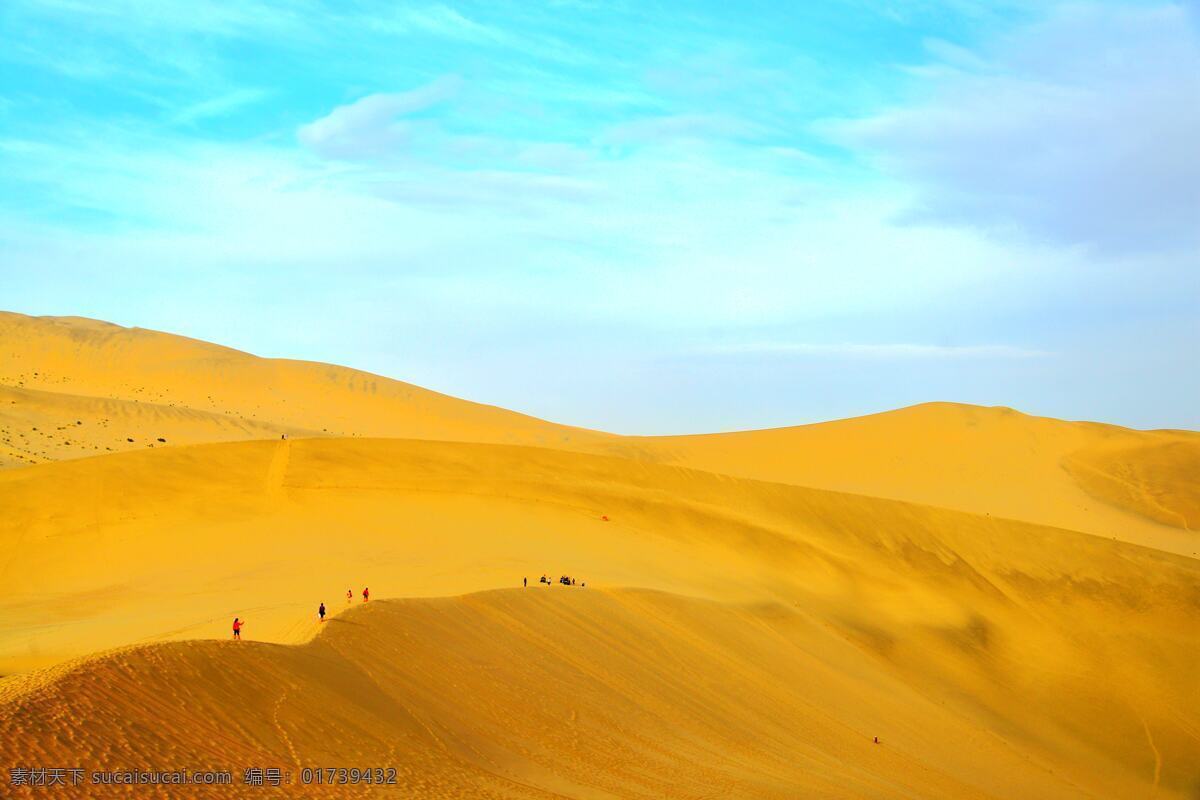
{"x": 1010, "y": 604}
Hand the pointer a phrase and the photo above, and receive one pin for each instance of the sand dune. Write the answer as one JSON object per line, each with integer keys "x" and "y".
{"x": 37, "y": 426}
{"x": 75, "y": 356}
{"x": 553, "y": 692}
{"x": 1010, "y": 603}
{"x": 1155, "y": 479}
{"x": 1073, "y": 644}
{"x": 1102, "y": 479}
{"x": 89, "y": 387}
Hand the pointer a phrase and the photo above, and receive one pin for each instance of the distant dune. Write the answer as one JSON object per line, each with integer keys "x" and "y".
{"x": 90, "y": 388}
{"x": 1102, "y": 479}
{"x": 1010, "y": 603}
{"x": 107, "y": 384}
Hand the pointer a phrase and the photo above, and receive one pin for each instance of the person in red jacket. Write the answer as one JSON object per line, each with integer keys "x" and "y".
{"x": 237, "y": 628}
{"x": 366, "y": 595}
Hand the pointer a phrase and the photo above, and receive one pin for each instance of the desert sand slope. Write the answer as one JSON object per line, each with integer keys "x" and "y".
{"x": 81, "y": 357}
{"x": 536, "y": 693}
{"x": 1077, "y": 651}
{"x": 37, "y": 426}
{"x": 73, "y": 387}
{"x": 1158, "y": 479}
{"x": 1011, "y": 603}
{"x": 89, "y": 388}
{"x": 1139, "y": 486}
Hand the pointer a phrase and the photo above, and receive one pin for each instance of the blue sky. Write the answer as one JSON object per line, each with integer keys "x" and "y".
{"x": 644, "y": 217}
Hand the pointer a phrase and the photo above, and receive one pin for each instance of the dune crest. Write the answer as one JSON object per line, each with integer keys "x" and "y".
{"x": 137, "y": 378}
{"x": 524, "y": 693}
{"x": 1144, "y": 479}
{"x": 994, "y": 461}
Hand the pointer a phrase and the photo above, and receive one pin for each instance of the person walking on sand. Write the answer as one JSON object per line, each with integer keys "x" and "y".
{"x": 366, "y": 594}
{"x": 237, "y": 628}
{"x": 349, "y": 595}
{"x": 525, "y": 582}
{"x": 321, "y": 611}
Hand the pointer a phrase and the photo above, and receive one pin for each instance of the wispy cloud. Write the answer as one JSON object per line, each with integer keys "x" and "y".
{"x": 502, "y": 192}
{"x": 437, "y": 19}
{"x": 147, "y": 44}
{"x": 372, "y": 126}
{"x": 1080, "y": 130}
{"x": 666, "y": 129}
{"x": 133, "y": 18}
{"x": 219, "y": 106}
{"x": 881, "y": 351}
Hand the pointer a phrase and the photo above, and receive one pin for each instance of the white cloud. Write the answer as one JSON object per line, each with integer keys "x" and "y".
{"x": 219, "y": 106}
{"x": 886, "y": 351}
{"x": 133, "y": 18}
{"x": 501, "y": 191}
{"x": 953, "y": 55}
{"x": 372, "y": 126}
{"x": 665, "y": 129}
{"x": 142, "y": 44}
{"x": 1079, "y": 130}
{"x": 439, "y": 20}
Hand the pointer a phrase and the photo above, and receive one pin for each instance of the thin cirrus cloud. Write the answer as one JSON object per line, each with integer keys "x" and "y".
{"x": 1081, "y": 130}
{"x": 677, "y": 127}
{"x": 508, "y": 191}
{"x": 372, "y": 126}
{"x": 439, "y": 20}
{"x": 880, "y": 351}
{"x": 220, "y": 106}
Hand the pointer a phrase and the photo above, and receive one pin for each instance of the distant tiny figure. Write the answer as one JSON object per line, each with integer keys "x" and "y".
{"x": 876, "y": 740}
{"x": 349, "y": 595}
{"x": 366, "y": 595}
{"x": 525, "y": 582}
{"x": 572, "y": 581}
{"x": 284, "y": 436}
{"x": 321, "y": 611}
{"x": 237, "y": 628}
{"x": 604, "y": 517}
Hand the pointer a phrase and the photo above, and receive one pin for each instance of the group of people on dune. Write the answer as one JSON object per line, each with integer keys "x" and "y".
{"x": 238, "y": 622}
{"x": 564, "y": 580}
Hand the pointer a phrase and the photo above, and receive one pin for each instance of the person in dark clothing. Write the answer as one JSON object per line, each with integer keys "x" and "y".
{"x": 321, "y": 611}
